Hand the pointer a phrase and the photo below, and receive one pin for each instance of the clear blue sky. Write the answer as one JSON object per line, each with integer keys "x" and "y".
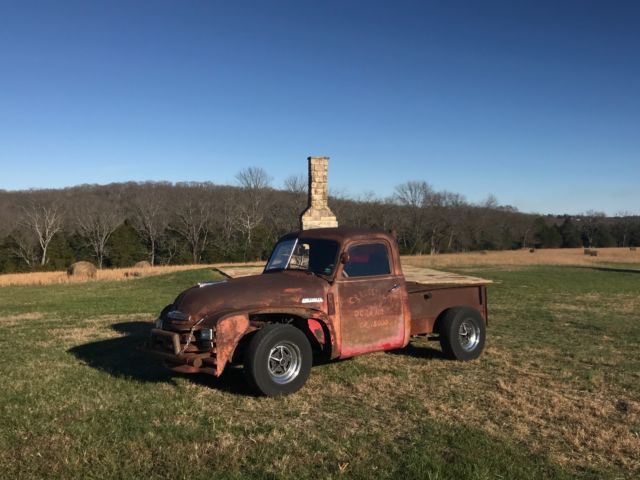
{"x": 536, "y": 102}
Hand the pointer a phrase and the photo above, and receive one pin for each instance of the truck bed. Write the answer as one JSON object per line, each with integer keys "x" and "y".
{"x": 428, "y": 301}
{"x": 428, "y": 276}
{"x": 418, "y": 275}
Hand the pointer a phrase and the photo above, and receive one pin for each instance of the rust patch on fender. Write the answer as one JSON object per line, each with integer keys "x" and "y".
{"x": 293, "y": 291}
{"x": 229, "y": 331}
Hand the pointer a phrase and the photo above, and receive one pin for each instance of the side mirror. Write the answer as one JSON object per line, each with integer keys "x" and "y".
{"x": 344, "y": 258}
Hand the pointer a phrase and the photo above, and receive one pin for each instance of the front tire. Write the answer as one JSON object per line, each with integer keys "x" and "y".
{"x": 278, "y": 360}
{"x": 462, "y": 334}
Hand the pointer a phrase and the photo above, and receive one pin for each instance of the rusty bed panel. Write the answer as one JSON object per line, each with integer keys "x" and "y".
{"x": 428, "y": 302}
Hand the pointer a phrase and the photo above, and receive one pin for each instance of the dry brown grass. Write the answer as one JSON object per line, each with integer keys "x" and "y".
{"x": 117, "y": 274}
{"x": 10, "y": 320}
{"x": 92, "y": 329}
{"x": 543, "y": 411}
{"x": 506, "y": 258}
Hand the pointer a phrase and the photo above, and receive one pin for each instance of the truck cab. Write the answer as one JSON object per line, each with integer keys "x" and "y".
{"x": 323, "y": 294}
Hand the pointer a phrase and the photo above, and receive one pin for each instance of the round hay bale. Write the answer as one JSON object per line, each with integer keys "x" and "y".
{"x": 142, "y": 264}
{"x": 82, "y": 269}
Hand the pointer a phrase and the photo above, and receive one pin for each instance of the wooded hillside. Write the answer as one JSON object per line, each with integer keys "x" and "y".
{"x": 121, "y": 223}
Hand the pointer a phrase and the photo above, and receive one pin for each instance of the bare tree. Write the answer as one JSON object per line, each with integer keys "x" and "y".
{"x": 415, "y": 195}
{"x": 225, "y": 223}
{"x": 44, "y": 222}
{"x": 150, "y": 219}
{"x": 24, "y": 246}
{"x": 251, "y": 206}
{"x": 361, "y": 211}
{"x": 453, "y": 204}
{"x": 623, "y": 227}
{"x": 96, "y": 221}
{"x": 193, "y": 223}
{"x": 297, "y": 184}
{"x": 591, "y": 223}
{"x": 168, "y": 247}
{"x": 254, "y": 178}
{"x": 491, "y": 202}
{"x": 247, "y": 220}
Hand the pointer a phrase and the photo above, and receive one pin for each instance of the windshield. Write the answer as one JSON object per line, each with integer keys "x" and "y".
{"x": 311, "y": 255}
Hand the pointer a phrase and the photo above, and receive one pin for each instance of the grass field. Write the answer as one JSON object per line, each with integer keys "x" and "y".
{"x": 555, "y": 395}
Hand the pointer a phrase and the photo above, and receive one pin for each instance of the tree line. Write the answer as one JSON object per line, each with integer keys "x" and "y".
{"x": 119, "y": 224}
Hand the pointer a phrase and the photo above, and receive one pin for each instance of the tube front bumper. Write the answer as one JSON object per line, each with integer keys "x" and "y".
{"x": 168, "y": 346}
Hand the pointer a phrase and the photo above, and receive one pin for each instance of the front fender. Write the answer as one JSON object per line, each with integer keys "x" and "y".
{"x": 229, "y": 330}
{"x": 313, "y": 320}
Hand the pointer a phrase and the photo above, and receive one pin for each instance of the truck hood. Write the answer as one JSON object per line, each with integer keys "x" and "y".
{"x": 278, "y": 289}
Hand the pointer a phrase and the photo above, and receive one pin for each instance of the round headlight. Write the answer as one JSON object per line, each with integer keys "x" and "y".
{"x": 206, "y": 334}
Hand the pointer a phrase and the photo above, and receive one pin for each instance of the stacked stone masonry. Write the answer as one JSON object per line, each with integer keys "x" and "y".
{"x": 318, "y": 214}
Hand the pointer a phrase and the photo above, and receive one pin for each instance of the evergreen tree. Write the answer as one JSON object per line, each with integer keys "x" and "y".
{"x": 61, "y": 253}
{"x": 570, "y": 234}
{"x": 546, "y": 236}
{"x": 125, "y": 247}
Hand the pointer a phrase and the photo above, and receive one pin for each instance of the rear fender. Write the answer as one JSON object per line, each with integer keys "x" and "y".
{"x": 436, "y": 326}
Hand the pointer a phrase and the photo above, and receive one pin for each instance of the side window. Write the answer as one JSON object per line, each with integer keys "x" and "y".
{"x": 367, "y": 259}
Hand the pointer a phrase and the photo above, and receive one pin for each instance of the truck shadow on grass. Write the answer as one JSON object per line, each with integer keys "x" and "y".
{"x": 419, "y": 350}
{"x": 122, "y": 358}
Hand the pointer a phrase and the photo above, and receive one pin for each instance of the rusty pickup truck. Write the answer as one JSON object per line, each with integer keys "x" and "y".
{"x": 324, "y": 294}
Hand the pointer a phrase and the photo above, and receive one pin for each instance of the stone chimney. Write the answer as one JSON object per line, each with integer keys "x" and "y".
{"x": 317, "y": 214}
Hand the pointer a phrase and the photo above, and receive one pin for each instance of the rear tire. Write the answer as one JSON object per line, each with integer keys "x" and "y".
{"x": 462, "y": 333}
{"x": 278, "y": 360}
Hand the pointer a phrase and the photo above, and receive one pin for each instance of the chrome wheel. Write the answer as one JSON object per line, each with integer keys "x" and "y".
{"x": 468, "y": 335}
{"x": 284, "y": 362}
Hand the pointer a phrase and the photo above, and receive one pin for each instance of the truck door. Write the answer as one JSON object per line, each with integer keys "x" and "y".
{"x": 370, "y": 300}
